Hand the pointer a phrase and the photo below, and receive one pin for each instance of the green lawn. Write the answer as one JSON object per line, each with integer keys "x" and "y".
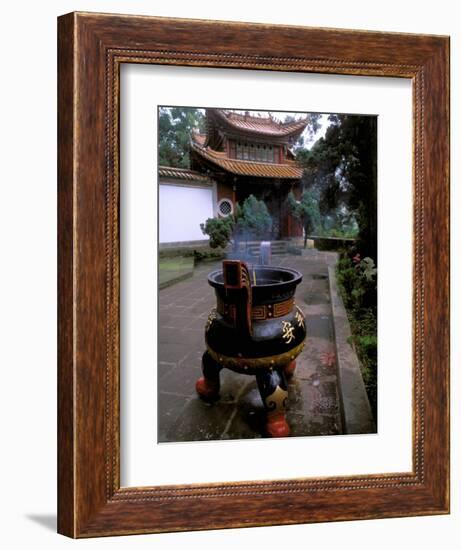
{"x": 171, "y": 269}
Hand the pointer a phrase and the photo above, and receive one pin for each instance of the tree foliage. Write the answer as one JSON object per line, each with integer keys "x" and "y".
{"x": 341, "y": 169}
{"x": 253, "y": 220}
{"x": 176, "y": 125}
{"x": 313, "y": 125}
{"x": 307, "y": 211}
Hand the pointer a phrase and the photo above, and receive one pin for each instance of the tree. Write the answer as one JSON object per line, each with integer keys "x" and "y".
{"x": 253, "y": 220}
{"x": 176, "y": 125}
{"x": 307, "y": 211}
{"x": 342, "y": 169}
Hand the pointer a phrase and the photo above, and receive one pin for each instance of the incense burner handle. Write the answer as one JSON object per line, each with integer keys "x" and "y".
{"x": 237, "y": 278}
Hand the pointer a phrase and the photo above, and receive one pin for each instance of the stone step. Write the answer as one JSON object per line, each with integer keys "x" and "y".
{"x": 277, "y": 247}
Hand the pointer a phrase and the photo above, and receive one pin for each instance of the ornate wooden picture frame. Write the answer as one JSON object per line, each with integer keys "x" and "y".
{"x": 92, "y": 48}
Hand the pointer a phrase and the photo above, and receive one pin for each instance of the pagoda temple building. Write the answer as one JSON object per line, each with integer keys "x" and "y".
{"x": 247, "y": 154}
{"x": 242, "y": 155}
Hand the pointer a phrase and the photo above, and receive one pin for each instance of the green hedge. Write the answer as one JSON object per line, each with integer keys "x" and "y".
{"x": 198, "y": 253}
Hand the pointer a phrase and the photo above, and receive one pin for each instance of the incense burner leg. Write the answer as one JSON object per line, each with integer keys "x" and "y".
{"x": 208, "y": 385}
{"x": 273, "y": 389}
{"x": 289, "y": 369}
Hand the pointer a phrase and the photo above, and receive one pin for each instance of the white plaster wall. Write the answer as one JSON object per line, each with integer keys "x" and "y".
{"x": 182, "y": 210}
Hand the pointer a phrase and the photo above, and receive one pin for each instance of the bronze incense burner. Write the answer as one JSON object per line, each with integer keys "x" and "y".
{"x": 255, "y": 329}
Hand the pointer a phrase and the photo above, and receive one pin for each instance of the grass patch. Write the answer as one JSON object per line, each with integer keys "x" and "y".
{"x": 176, "y": 268}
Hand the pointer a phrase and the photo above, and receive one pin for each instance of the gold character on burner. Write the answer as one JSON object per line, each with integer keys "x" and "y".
{"x": 287, "y": 332}
{"x": 299, "y": 317}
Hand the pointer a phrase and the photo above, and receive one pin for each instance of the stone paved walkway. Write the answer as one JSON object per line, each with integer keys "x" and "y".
{"x": 313, "y": 394}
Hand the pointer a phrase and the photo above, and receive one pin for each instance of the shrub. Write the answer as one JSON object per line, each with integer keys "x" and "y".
{"x": 208, "y": 255}
{"x": 357, "y": 283}
{"x": 253, "y": 220}
{"x": 250, "y": 221}
{"x": 219, "y": 230}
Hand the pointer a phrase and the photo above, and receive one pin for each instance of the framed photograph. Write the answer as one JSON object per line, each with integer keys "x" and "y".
{"x": 251, "y": 193}
{"x": 253, "y": 259}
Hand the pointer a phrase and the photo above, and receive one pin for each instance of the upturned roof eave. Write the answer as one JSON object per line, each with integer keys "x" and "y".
{"x": 220, "y": 163}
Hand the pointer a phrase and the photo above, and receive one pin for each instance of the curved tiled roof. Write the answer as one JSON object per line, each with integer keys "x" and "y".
{"x": 260, "y": 125}
{"x": 248, "y": 167}
{"x": 181, "y": 174}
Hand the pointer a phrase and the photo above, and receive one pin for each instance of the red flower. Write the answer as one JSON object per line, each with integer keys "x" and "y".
{"x": 356, "y": 259}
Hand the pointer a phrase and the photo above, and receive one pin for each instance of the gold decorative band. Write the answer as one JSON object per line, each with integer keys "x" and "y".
{"x": 244, "y": 363}
{"x": 258, "y": 313}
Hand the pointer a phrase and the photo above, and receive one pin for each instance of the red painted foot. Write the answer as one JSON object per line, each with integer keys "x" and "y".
{"x": 289, "y": 370}
{"x": 206, "y": 390}
{"x": 277, "y": 426}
